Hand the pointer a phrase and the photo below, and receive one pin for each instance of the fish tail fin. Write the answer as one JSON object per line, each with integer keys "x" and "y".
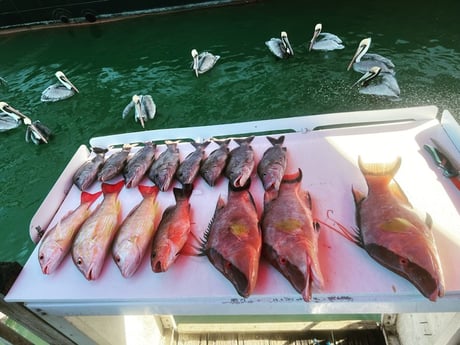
{"x": 386, "y": 169}
{"x": 293, "y": 178}
{"x": 184, "y": 192}
{"x": 99, "y": 150}
{"x": 276, "y": 141}
{"x": 89, "y": 197}
{"x": 112, "y": 188}
{"x": 148, "y": 190}
{"x": 198, "y": 145}
{"x": 240, "y": 141}
{"x": 222, "y": 142}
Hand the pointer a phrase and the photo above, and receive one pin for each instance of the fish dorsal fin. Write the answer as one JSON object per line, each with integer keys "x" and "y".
{"x": 293, "y": 178}
{"x": 204, "y": 240}
{"x": 399, "y": 193}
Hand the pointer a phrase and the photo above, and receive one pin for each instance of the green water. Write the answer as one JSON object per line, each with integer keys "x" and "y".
{"x": 151, "y": 55}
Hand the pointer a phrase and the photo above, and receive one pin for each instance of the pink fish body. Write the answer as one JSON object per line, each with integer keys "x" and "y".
{"x": 290, "y": 235}
{"x": 393, "y": 233}
{"x": 57, "y": 241}
{"x": 136, "y": 232}
{"x": 173, "y": 231}
{"x": 233, "y": 240}
{"x": 93, "y": 241}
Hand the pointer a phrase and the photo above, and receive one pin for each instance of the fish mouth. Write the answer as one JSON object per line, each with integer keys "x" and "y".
{"x": 299, "y": 280}
{"x": 233, "y": 274}
{"x": 417, "y": 275}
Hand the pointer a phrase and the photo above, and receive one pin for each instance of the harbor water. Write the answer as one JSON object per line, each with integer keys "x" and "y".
{"x": 109, "y": 62}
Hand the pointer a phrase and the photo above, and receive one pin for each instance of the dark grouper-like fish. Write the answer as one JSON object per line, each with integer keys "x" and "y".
{"x": 163, "y": 169}
{"x": 392, "y": 232}
{"x": 86, "y": 174}
{"x": 241, "y": 162}
{"x": 233, "y": 239}
{"x": 115, "y": 164}
{"x": 190, "y": 166}
{"x": 214, "y": 164}
{"x": 273, "y": 164}
{"x": 290, "y": 235}
{"x": 138, "y": 164}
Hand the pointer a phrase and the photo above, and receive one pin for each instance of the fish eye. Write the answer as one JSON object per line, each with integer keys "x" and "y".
{"x": 403, "y": 261}
{"x": 283, "y": 261}
{"x": 79, "y": 261}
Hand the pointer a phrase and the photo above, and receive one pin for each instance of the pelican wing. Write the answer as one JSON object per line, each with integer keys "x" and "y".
{"x": 7, "y": 122}
{"x": 148, "y": 106}
{"x": 127, "y": 109}
{"x": 56, "y": 92}
{"x": 276, "y": 47}
{"x": 370, "y": 60}
{"x": 206, "y": 61}
{"x": 327, "y": 42}
{"x": 386, "y": 86}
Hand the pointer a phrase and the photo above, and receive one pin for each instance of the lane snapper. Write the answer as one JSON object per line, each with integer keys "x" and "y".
{"x": 92, "y": 243}
{"x": 57, "y": 241}
{"x": 173, "y": 231}
{"x": 136, "y": 232}
{"x": 290, "y": 235}
{"x": 233, "y": 239}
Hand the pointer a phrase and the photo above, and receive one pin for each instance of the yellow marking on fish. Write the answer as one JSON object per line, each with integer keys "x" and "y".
{"x": 238, "y": 229}
{"x": 397, "y": 224}
{"x": 288, "y": 225}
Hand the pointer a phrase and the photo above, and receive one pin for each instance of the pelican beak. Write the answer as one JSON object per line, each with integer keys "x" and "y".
{"x": 67, "y": 83}
{"x": 195, "y": 65}
{"x": 362, "y": 49}
{"x": 138, "y": 110}
{"x": 141, "y": 119}
{"x": 368, "y": 76}
{"x": 36, "y": 131}
{"x": 315, "y": 36}
{"x": 288, "y": 46}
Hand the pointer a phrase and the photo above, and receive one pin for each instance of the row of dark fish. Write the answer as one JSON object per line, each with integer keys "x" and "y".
{"x": 237, "y": 165}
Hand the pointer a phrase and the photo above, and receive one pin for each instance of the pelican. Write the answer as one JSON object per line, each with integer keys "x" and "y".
{"x": 324, "y": 40}
{"x": 280, "y": 46}
{"x": 35, "y": 132}
{"x": 203, "y": 62}
{"x": 59, "y": 91}
{"x": 362, "y": 62}
{"x": 8, "y": 122}
{"x": 144, "y": 108}
{"x": 378, "y": 83}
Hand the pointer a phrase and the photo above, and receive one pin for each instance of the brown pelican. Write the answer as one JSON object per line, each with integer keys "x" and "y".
{"x": 280, "y": 46}
{"x": 378, "y": 83}
{"x": 35, "y": 132}
{"x": 324, "y": 40}
{"x": 59, "y": 91}
{"x": 203, "y": 62}
{"x": 144, "y": 108}
{"x": 362, "y": 62}
{"x": 8, "y": 122}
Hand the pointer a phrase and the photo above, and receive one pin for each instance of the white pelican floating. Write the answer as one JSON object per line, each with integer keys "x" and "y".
{"x": 35, "y": 132}
{"x": 324, "y": 40}
{"x": 280, "y": 46}
{"x": 144, "y": 108}
{"x": 363, "y": 62}
{"x": 59, "y": 91}
{"x": 378, "y": 83}
{"x": 203, "y": 62}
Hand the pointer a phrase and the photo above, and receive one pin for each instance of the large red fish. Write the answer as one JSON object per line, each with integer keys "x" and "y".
{"x": 173, "y": 231}
{"x": 392, "y": 232}
{"x": 233, "y": 240}
{"x": 93, "y": 241}
{"x": 290, "y": 235}
{"x": 136, "y": 232}
{"x": 56, "y": 242}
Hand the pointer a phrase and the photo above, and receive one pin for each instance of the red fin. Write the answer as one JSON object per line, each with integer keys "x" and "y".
{"x": 293, "y": 178}
{"x": 191, "y": 246}
{"x": 88, "y": 197}
{"x": 112, "y": 188}
{"x": 148, "y": 190}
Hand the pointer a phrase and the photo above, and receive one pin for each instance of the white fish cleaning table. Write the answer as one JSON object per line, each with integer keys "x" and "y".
{"x": 326, "y": 148}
